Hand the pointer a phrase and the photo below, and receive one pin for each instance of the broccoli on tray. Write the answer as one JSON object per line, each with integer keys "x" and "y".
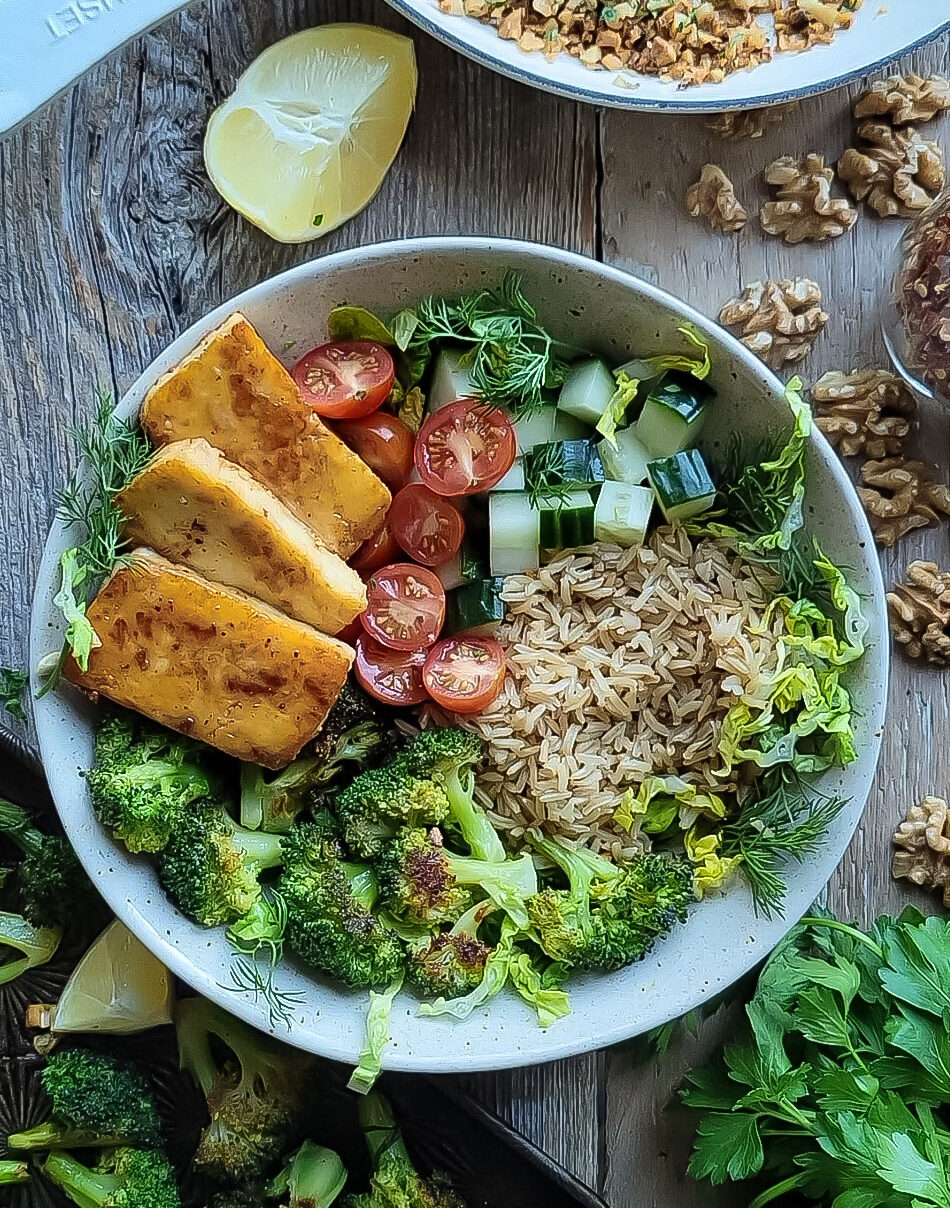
{"x": 395, "y": 1182}
{"x": 124, "y": 1178}
{"x": 144, "y": 778}
{"x": 313, "y": 1177}
{"x": 97, "y": 1101}
{"x": 254, "y": 1089}
{"x": 53, "y": 884}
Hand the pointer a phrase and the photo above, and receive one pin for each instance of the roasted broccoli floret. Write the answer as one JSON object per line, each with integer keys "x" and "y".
{"x": 143, "y": 779}
{"x": 211, "y": 865}
{"x": 352, "y": 708}
{"x": 253, "y": 1087}
{"x": 610, "y": 916}
{"x": 423, "y": 883}
{"x": 13, "y": 1172}
{"x": 275, "y": 804}
{"x": 452, "y": 963}
{"x": 125, "y": 1178}
{"x": 395, "y": 1183}
{"x": 53, "y": 884}
{"x": 330, "y": 903}
{"x": 24, "y": 946}
{"x": 312, "y": 1178}
{"x": 97, "y": 1100}
{"x": 448, "y": 758}
{"x": 380, "y": 801}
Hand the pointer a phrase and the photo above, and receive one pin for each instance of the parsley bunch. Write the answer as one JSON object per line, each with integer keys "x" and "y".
{"x": 838, "y": 1089}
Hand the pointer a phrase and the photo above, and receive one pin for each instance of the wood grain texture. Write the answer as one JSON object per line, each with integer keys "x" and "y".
{"x": 112, "y": 242}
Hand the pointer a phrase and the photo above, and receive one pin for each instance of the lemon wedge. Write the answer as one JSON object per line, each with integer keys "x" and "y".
{"x": 118, "y": 987}
{"x": 312, "y": 128}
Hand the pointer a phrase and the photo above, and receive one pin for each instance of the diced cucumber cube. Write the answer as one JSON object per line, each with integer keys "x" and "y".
{"x": 567, "y": 520}
{"x": 535, "y": 429}
{"x": 622, "y": 515}
{"x": 514, "y": 528}
{"x": 588, "y": 388}
{"x": 476, "y": 607}
{"x": 683, "y": 485}
{"x": 569, "y": 427}
{"x": 514, "y": 479}
{"x": 625, "y": 461}
{"x": 450, "y": 380}
{"x": 673, "y": 414}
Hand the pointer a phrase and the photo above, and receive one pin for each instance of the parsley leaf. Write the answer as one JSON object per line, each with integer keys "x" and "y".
{"x": 728, "y": 1146}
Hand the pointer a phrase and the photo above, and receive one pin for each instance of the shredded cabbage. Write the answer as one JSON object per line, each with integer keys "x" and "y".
{"x": 710, "y": 870}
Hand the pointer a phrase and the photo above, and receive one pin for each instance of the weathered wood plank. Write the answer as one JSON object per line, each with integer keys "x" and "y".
{"x": 113, "y": 241}
{"x": 647, "y": 166}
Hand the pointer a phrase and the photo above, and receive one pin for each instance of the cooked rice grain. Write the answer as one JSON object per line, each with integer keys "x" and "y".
{"x": 622, "y": 664}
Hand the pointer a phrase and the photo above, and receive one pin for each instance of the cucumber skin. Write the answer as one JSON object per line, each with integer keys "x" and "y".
{"x": 682, "y": 484}
{"x": 475, "y": 605}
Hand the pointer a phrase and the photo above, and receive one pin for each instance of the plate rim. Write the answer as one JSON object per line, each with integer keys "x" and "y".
{"x": 544, "y": 1045}
{"x": 629, "y": 100}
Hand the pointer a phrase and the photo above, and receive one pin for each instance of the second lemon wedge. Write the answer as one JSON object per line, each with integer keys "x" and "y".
{"x": 312, "y": 128}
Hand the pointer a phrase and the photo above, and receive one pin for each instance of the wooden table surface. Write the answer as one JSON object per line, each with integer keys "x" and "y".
{"x": 112, "y": 241}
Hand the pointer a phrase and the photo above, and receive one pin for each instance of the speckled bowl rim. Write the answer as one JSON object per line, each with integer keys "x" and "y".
{"x": 608, "y": 1009}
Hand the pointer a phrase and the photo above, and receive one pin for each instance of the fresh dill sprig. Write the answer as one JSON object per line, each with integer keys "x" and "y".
{"x": 782, "y": 817}
{"x": 259, "y": 936}
{"x": 511, "y": 358}
{"x": 251, "y": 975}
{"x": 544, "y": 475}
{"x": 113, "y": 451}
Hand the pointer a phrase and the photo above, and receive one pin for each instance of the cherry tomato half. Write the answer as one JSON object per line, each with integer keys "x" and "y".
{"x": 427, "y": 526}
{"x": 384, "y": 442}
{"x": 375, "y": 552}
{"x": 345, "y": 379}
{"x": 465, "y": 673}
{"x": 405, "y": 607}
{"x": 465, "y": 447}
{"x": 392, "y": 676}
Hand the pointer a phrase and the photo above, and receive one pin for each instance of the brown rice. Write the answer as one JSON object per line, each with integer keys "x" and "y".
{"x": 622, "y": 664}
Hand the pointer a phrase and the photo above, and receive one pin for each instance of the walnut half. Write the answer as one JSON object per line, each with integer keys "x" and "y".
{"x": 895, "y": 171}
{"x": 865, "y": 413}
{"x": 714, "y": 198}
{"x": 924, "y": 840}
{"x": 900, "y": 496}
{"x": 904, "y": 99}
{"x": 738, "y": 124}
{"x": 778, "y": 320}
{"x": 804, "y": 207}
{"x": 919, "y": 610}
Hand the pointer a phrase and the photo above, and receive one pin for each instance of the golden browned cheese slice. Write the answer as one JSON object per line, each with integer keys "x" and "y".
{"x": 210, "y": 661}
{"x": 234, "y": 392}
{"x": 194, "y": 506}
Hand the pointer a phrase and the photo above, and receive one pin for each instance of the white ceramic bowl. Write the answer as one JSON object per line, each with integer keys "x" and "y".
{"x": 880, "y": 33}
{"x": 592, "y": 306}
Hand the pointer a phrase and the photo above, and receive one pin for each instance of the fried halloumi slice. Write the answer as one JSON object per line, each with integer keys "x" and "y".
{"x": 209, "y": 661}
{"x": 195, "y": 507}
{"x": 233, "y": 392}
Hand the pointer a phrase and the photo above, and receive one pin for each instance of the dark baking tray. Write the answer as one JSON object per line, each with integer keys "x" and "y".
{"x": 490, "y": 1164}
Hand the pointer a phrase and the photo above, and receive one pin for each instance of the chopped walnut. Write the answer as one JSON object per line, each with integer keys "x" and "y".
{"x": 714, "y": 198}
{"x": 804, "y": 208}
{"x": 779, "y": 320}
{"x": 895, "y": 171}
{"x": 924, "y": 837}
{"x": 904, "y": 99}
{"x": 806, "y": 23}
{"x": 866, "y": 413}
{"x": 740, "y": 124}
{"x": 900, "y": 496}
{"x": 919, "y": 610}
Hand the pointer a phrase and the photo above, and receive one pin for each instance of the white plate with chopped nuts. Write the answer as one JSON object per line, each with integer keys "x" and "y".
{"x": 649, "y": 65}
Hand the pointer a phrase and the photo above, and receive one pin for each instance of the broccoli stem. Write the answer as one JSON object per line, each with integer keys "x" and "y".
{"x": 53, "y": 1136}
{"x": 509, "y": 883}
{"x": 16, "y": 823}
{"x": 37, "y": 944}
{"x": 363, "y": 884}
{"x": 88, "y": 1188}
{"x": 379, "y": 1125}
{"x": 473, "y": 822}
{"x": 265, "y": 850}
{"x": 14, "y": 1172}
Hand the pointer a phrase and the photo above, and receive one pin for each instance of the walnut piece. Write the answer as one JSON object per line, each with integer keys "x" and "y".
{"x": 924, "y": 839}
{"x": 714, "y": 198}
{"x": 740, "y": 124}
{"x": 865, "y": 413}
{"x": 904, "y": 99}
{"x": 919, "y": 610}
{"x": 805, "y": 23}
{"x": 895, "y": 171}
{"x": 804, "y": 207}
{"x": 900, "y": 496}
{"x": 779, "y": 320}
